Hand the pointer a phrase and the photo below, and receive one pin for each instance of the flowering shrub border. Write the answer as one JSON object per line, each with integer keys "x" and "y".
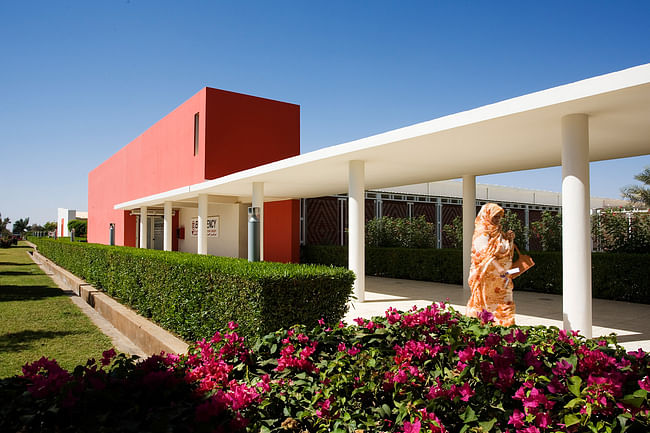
{"x": 428, "y": 370}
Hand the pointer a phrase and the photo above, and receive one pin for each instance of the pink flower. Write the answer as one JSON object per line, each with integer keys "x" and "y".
{"x": 107, "y": 356}
{"x": 466, "y": 392}
{"x": 341, "y": 347}
{"x": 413, "y": 427}
{"x": 562, "y": 368}
{"x": 645, "y": 383}
{"x": 232, "y": 326}
{"x": 321, "y": 321}
{"x": 353, "y": 351}
{"x": 638, "y": 354}
{"x": 517, "y": 419}
{"x": 486, "y": 317}
{"x": 360, "y": 321}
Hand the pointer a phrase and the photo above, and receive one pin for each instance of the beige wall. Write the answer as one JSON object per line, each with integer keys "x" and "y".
{"x": 228, "y": 243}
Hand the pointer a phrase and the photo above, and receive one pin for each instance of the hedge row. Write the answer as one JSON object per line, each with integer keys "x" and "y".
{"x": 615, "y": 276}
{"x": 194, "y": 295}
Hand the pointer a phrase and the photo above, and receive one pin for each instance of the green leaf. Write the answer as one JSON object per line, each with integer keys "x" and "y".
{"x": 574, "y": 385}
{"x": 571, "y": 419}
{"x": 469, "y": 415}
{"x": 573, "y": 403}
{"x": 487, "y": 425}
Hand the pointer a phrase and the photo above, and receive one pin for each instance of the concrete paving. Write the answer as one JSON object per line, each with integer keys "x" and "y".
{"x": 631, "y": 322}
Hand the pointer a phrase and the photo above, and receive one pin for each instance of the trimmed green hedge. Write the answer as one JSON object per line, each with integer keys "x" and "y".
{"x": 194, "y": 295}
{"x": 616, "y": 276}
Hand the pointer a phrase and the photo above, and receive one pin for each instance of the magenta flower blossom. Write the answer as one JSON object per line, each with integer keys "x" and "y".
{"x": 645, "y": 383}
{"x": 486, "y": 317}
{"x": 413, "y": 427}
{"x": 517, "y": 419}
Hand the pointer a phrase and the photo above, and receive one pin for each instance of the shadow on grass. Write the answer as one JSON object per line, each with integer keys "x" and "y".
{"x": 18, "y": 273}
{"x": 27, "y": 293}
{"x": 15, "y": 264}
{"x": 24, "y": 340}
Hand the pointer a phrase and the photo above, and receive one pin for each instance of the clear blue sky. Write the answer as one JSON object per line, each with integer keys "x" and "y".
{"x": 80, "y": 79}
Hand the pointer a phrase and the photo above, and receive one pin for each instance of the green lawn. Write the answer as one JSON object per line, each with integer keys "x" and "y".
{"x": 38, "y": 319}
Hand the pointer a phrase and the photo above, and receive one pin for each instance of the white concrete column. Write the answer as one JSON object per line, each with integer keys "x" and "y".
{"x": 258, "y": 201}
{"x": 167, "y": 226}
{"x": 576, "y": 239}
{"x": 144, "y": 235}
{"x": 469, "y": 215}
{"x": 202, "y": 235}
{"x": 356, "y": 227}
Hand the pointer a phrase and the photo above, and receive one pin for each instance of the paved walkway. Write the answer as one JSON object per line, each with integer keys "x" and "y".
{"x": 631, "y": 322}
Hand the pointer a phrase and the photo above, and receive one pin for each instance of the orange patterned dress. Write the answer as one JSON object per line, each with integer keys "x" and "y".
{"x": 491, "y": 291}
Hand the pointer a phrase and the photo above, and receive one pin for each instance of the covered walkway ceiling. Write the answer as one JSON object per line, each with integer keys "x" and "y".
{"x": 517, "y": 134}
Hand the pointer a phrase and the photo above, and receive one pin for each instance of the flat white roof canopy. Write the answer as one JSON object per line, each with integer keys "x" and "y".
{"x": 516, "y": 134}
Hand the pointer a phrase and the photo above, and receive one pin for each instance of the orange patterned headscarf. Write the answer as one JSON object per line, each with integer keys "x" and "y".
{"x": 484, "y": 225}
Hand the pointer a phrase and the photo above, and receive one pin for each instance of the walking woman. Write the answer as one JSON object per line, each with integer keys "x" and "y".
{"x": 491, "y": 259}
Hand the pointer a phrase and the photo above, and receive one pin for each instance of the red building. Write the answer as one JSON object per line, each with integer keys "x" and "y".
{"x": 212, "y": 134}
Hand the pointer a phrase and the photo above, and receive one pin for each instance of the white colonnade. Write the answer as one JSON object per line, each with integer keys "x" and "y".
{"x": 167, "y": 226}
{"x": 202, "y": 230}
{"x": 144, "y": 235}
{"x": 576, "y": 234}
{"x": 469, "y": 215}
{"x": 356, "y": 227}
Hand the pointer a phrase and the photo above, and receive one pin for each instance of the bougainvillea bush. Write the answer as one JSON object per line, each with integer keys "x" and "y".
{"x": 430, "y": 370}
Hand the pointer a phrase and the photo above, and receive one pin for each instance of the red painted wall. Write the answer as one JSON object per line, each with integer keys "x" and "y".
{"x": 282, "y": 231}
{"x": 236, "y": 132}
{"x": 244, "y": 131}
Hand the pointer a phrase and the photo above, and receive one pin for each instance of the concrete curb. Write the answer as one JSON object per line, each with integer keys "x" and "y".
{"x": 148, "y": 336}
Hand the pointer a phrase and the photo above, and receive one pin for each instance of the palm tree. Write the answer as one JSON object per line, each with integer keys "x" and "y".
{"x": 20, "y": 226}
{"x": 639, "y": 194}
{"x": 3, "y": 226}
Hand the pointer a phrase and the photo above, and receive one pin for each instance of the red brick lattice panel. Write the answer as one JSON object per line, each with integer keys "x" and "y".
{"x": 395, "y": 209}
{"x": 322, "y": 221}
{"x": 426, "y": 209}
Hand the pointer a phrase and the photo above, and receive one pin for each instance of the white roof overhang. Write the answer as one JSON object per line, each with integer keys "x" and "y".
{"x": 516, "y": 134}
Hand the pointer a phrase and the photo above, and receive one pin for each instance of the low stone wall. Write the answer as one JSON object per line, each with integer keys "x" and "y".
{"x": 148, "y": 336}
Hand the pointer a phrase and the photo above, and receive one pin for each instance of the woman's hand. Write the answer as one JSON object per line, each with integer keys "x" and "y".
{"x": 500, "y": 269}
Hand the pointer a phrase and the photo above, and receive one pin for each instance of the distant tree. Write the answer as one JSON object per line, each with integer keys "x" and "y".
{"x": 49, "y": 226}
{"x": 639, "y": 194}
{"x": 36, "y": 228}
{"x": 3, "y": 226}
{"x": 21, "y": 225}
{"x": 79, "y": 226}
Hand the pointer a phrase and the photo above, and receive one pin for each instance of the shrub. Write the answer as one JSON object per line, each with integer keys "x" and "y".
{"x": 549, "y": 231}
{"x": 430, "y": 370}
{"x": 194, "y": 295}
{"x": 454, "y": 232}
{"x": 620, "y": 231}
{"x": 430, "y": 264}
{"x": 400, "y": 232}
{"x": 511, "y": 221}
{"x": 616, "y": 276}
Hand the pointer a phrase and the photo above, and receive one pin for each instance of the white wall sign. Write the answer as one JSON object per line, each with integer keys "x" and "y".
{"x": 213, "y": 227}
